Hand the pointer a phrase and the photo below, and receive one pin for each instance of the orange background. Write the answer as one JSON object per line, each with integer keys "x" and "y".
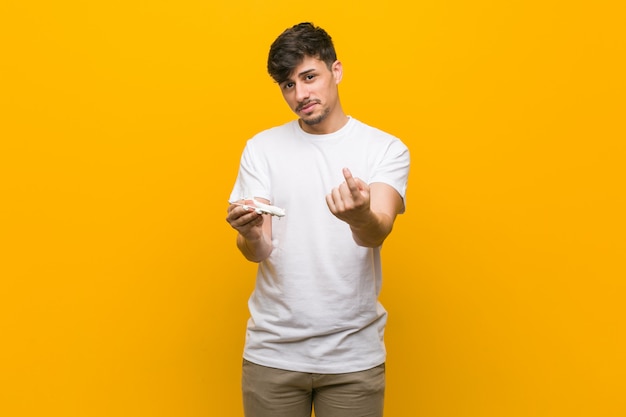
{"x": 121, "y": 126}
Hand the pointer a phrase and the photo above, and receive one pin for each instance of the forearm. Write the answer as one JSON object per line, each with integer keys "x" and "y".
{"x": 254, "y": 231}
{"x": 372, "y": 231}
{"x": 254, "y": 249}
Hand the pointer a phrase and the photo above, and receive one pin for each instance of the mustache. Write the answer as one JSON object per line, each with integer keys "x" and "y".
{"x": 306, "y": 103}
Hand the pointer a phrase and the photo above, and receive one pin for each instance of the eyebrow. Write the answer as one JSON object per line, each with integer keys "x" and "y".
{"x": 306, "y": 72}
{"x": 300, "y": 74}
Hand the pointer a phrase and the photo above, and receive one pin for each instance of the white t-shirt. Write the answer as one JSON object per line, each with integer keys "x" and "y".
{"x": 315, "y": 304}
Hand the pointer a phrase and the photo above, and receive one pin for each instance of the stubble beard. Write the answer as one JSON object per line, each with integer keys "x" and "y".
{"x": 316, "y": 119}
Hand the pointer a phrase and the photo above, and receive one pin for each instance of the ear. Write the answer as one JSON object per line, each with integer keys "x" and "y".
{"x": 337, "y": 70}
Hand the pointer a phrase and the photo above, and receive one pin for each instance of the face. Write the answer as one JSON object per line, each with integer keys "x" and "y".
{"x": 311, "y": 90}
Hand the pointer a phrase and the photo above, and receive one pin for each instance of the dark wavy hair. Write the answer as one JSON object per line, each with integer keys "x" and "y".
{"x": 291, "y": 46}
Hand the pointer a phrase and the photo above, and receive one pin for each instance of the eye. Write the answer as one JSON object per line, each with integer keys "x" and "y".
{"x": 309, "y": 77}
{"x": 288, "y": 85}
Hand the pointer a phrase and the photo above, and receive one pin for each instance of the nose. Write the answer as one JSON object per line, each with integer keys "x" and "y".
{"x": 302, "y": 92}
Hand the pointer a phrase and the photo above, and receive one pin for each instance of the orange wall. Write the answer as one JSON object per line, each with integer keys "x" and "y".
{"x": 121, "y": 125}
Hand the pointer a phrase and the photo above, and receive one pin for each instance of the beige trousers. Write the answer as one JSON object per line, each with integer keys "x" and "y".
{"x": 270, "y": 392}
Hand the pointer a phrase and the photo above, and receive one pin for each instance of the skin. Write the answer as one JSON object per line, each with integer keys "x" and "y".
{"x": 312, "y": 93}
{"x": 370, "y": 209}
{"x": 254, "y": 239}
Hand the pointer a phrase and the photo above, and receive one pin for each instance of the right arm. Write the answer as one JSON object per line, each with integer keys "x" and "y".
{"x": 254, "y": 238}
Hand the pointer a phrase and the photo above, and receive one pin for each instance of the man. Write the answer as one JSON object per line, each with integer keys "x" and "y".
{"x": 315, "y": 336}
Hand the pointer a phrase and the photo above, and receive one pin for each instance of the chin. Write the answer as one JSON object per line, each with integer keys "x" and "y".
{"x": 313, "y": 120}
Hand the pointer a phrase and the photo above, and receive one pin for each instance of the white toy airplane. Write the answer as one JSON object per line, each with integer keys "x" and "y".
{"x": 260, "y": 208}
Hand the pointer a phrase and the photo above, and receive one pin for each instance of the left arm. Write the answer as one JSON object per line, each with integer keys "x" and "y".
{"x": 370, "y": 210}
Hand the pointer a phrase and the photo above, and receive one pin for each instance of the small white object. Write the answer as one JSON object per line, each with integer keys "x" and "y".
{"x": 260, "y": 208}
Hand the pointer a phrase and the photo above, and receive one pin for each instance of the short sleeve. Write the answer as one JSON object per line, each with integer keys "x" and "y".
{"x": 393, "y": 167}
{"x": 252, "y": 179}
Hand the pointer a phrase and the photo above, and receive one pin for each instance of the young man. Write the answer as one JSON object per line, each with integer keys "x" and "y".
{"x": 315, "y": 335}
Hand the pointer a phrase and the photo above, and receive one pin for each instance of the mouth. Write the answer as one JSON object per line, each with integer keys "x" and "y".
{"x": 307, "y": 107}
